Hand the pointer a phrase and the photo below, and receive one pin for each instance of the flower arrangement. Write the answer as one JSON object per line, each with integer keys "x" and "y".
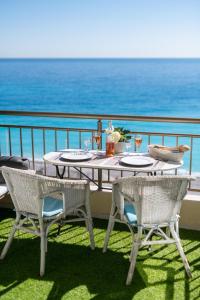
{"x": 118, "y": 134}
{"x": 124, "y": 134}
{"x": 114, "y": 135}
{"x": 116, "y": 139}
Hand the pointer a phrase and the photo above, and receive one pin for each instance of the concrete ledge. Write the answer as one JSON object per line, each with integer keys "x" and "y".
{"x": 189, "y": 216}
{"x": 101, "y": 205}
{"x": 194, "y": 196}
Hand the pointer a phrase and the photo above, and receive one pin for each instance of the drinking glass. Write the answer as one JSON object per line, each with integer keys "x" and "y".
{"x": 128, "y": 146}
{"x": 97, "y": 138}
{"x": 138, "y": 142}
{"x": 87, "y": 143}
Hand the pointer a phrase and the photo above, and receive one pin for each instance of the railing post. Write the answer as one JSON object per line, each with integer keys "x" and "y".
{"x": 33, "y": 150}
{"x": 191, "y": 153}
{"x": 99, "y": 129}
{"x": 21, "y": 143}
{"x": 9, "y": 140}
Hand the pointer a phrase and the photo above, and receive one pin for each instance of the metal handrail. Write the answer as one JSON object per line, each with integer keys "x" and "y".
{"x": 94, "y": 129}
{"x": 100, "y": 117}
{"x": 98, "y": 127}
{"x": 47, "y": 128}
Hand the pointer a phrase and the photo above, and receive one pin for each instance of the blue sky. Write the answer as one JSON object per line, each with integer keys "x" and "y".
{"x": 99, "y": 28}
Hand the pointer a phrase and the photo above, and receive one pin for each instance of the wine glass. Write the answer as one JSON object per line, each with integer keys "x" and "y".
{"x": 128, "y": 146}
{"x": 87, "y": 143}
{"x": 97, "y": 138}
{"x": 138, "y": 142}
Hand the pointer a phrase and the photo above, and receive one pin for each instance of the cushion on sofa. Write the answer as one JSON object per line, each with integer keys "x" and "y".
{"x": 13, "y": 162}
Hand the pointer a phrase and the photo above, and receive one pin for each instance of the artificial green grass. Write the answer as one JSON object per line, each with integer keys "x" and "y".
{"x": 74, "y": 271}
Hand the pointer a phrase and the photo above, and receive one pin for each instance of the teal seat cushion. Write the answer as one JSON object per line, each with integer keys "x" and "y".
{"x": 52, "y": 207}
{"x": 130, "y": 213}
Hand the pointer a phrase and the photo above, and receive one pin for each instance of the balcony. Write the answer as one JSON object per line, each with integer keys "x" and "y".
{"x": 70, "y": 273}
{"x": 32, "y": 134}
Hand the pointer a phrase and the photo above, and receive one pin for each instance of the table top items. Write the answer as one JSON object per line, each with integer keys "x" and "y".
{"x": 137, "y": 161}
{"x": 124, "y": 141}
{"x": 158, "y": 158}
{"x": 76, "y": 156}
{"x": 95, "y": 159}
{"x": 112, "y": 137}
{"x": 168, "y": 153}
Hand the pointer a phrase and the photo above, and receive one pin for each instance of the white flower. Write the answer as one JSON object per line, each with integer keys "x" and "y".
{"x": 115, "y": 136}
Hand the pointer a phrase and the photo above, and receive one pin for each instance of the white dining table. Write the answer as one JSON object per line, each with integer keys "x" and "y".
{"x": 99, "y": 161}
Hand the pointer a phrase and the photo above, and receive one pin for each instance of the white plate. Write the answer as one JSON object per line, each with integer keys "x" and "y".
{"x": 71, "y": 150}
{"x": 76, "y": 156}
{"x": 137, "y": 161}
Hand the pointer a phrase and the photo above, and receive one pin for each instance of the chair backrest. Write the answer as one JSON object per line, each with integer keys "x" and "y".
{"x": 28, "y": 190}
{"x": 157, "y": 199}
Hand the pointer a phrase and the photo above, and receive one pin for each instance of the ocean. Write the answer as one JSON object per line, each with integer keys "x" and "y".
{"x": 148, "y": 87}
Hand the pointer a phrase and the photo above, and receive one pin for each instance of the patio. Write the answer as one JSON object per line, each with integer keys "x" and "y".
{"x": 74, "y": 271}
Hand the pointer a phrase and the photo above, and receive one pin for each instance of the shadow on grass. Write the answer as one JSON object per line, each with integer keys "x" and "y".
{"x": 69, "y": 265}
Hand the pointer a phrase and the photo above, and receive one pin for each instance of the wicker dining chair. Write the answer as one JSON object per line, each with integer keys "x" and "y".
{"x": 150, "y": 206}
{"x": 37, "y": 209}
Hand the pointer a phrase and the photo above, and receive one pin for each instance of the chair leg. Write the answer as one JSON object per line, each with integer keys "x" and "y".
{"x": 10, "y": 238}
{"x": 134, "y": 253}
{"x": 133, "y": 238}
{"x": 43, "y": 246}
{"x": 108, "y": 232}
{"x": 42, "y": 254}
{"x": 181, "y": 252}
{"x": 46, "y": 238}
{"x": 177, "y": 227}
{"x": 90, "y": 230}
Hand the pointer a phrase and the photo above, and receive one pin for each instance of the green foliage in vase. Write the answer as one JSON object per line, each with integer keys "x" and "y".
{"x": 124, "y": 134}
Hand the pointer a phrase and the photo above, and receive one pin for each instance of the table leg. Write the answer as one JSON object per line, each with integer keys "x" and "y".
{"x": 59, "y": 228}
{"x": 99, "y": 184}
{"x": 60, "y": 175}
{"x": 99, "y": 179}
{"x": 82, "y": 173}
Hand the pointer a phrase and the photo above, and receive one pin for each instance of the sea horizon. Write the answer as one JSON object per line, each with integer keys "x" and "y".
{"x": 166, "y": 87}
{"x": 100, "y": 58}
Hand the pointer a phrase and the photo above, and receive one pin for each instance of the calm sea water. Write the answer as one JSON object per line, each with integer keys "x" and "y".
{"x": 158, "y": 87}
